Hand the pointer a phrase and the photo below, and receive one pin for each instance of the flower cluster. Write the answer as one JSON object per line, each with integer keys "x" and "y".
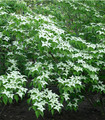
{"x": 12, "y": 84}
{"x": 42, "y": 98}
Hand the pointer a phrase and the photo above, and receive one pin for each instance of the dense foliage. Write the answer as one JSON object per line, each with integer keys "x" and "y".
{"x": 52, "y": 43}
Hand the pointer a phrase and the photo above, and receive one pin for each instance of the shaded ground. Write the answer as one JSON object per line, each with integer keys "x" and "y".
{"x": 19, "y": 111}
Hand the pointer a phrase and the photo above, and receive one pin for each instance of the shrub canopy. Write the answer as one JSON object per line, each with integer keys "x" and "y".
{"x": 51, "y": 43}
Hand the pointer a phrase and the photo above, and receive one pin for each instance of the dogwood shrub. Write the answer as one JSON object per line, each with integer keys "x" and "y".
{"x": 41, "y": 50}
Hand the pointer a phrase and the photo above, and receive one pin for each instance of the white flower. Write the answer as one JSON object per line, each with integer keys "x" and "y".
{"x": 94, "y": 77}
{"x": 81, "y": 61}
{"x": 75, "y": 105}
{"x": 8, "y": 94}
{"x": 70, "y": 63}
{"x": 50, "y": 66}
{"x": 60, "y": 80}
{"x": 1, "y": 34}
{"x": 57, "y": 107}
{"x": 3, "y": 13}
{"x": 12, "y": 61}
{"x": 43, "y": 83}
{"x": 20, "y": 93}
{"x": 1, "y": 8}
{"x": 100, "y": 32}
{"x": 11, "y": 22}
{"x": 77, "y": 68}
{"x": 91, "y": 68}
{"x": 69, "y": 104}
{"x": 66, "y": 96}
{"x": 6, "y": 38}
{"x": 47, "y": 44}
{"x": 41, "y": 108}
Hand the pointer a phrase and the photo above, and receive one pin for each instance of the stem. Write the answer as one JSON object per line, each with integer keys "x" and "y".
{"x": 102, "y": 105}
{"x": 2, "y": 110}
{"x": 90, "y": 101}
{"x": 53, "y": 57}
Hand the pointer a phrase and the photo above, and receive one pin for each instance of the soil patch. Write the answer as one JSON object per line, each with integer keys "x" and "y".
{"x": 20, "y": 111}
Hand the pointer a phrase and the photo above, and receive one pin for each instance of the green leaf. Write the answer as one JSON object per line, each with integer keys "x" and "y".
{"x": 10, "y": 100}
{"x": 5, "y": 99}
{"x": 42, "y": 114}
{"x": 16, "y": 98}
{"x": 52, "y": 111}
{"x": 37, "y": 113}
{"x": 28, "y": 101}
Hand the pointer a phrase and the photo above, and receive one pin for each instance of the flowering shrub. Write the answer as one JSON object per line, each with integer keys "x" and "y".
{"x": 42, "y": 48}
